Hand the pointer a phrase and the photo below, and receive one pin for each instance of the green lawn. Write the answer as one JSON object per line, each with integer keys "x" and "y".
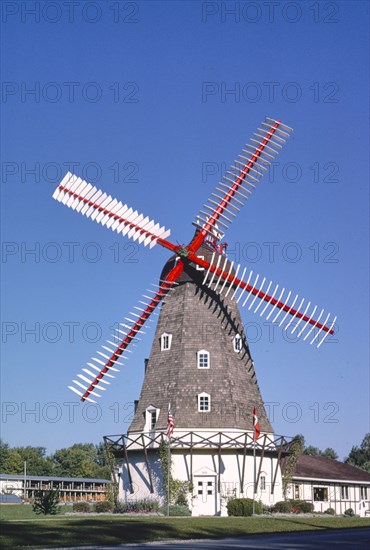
{"x": 24, "y": 511}
{"x": 110, "y": 530}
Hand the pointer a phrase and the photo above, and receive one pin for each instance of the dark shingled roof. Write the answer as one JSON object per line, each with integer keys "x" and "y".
{"x": 199, "y": 319}
{"x": 17, "y": 477}
{"x": 321, "y": 467}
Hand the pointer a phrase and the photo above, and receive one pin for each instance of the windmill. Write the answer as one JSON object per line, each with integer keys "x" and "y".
{"x": 200, "y": 358}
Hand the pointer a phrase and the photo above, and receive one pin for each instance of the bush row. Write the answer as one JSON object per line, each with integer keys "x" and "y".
{"x": 121, "y": 508}
{"x": 243, "y": 507}
{"x": 293, "y": 506}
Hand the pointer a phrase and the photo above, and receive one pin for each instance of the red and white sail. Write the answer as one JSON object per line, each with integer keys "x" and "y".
{"x": 241, "y": 179}
{"x": 93, "y": 203}
{"x": 260, "y": 295}
{"x": 97, "y": 375}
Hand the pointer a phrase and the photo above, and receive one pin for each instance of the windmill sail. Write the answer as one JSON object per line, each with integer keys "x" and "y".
{"x": 281, "y": 306}
{"x": 112, "y": 354}
{"x": 242, "y": 177}
{"x": 97, "y": 205}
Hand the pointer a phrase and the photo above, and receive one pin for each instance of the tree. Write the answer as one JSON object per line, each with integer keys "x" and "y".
{"x": 330, "y": 453}
{"x": 360, "y": 456}
{"x": 46, "y": 502}
{"x": 295, "y": 451}
{"x": 4, "y": 450}
{"x": 315, "y": 451}
{"x": 80, "y": 460}
{"x": 38, "y": 464}
{"x": 12, "y": 462}
{"x": 312, "y": 451}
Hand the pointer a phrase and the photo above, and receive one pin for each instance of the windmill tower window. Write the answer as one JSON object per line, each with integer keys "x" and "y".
{"x": 166, "y": 341}
{"x": 151, "y": 416}
{"x": 204, "y": 402}
{"x": 237, "y": 343}
{"x": 198, "y": 267}
{"x": 263, "y": 483}
{"x": 153, "y": 419}
{"x": 203, "y": 359}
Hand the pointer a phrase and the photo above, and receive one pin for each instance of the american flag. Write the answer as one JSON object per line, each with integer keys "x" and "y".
{"x": 170, "y": 422}
{"x": 256, "y": 426}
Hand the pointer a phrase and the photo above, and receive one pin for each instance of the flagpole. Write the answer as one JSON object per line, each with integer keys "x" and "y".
{"x": 170, "y": 425}
{"x": 254, "y": 478}
{"x": 256, "y": 434}
{"x": 168, "y": 474}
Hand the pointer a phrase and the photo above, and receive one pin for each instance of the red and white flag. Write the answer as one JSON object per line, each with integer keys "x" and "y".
{"x": 170, "y": 422}
{"x": 256, "y": 426}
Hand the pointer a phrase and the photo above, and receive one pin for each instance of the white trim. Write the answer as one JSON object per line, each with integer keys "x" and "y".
{"x": 327, "y": 480}
{"x": 163, "y": 339}
{"x": 207, "y": 354}
{"x": 205, "y": 395}
{"x": 148, "y": 417}
{"x": 236, "y": 338}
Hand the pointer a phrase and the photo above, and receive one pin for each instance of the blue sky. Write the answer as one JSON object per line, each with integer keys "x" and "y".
{"x": 149, "y": 100}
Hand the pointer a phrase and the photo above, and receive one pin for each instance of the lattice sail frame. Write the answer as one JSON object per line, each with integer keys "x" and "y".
{"x": 226, "y": 282}
{"x": 231, "y": 194}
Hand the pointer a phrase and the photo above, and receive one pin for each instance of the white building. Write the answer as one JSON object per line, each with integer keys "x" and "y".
{"x": 71, "y": 489}
{"x": 328, "y": 483}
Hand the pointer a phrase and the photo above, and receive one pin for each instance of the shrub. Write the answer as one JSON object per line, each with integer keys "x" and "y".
{"x": 283, "y": 507}
{"x": 302, "y": 506}
{"x": 46, "y": 502}
{"x": 136, "y": 506}
{"x": 349, "y": 512}
{"x": 181, "y": 499}
{"x": 176, "y": 510}
{"x": 81, "y": 507}
{"x": 330, "y": 512}
{"x": 243, "y": 507}
{"x": 103, "y": 507}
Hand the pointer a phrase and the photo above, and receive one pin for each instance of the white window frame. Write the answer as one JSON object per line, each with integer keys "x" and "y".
{"x": 166, "y": 337}
{"x": 237, "y": 341}
{"x": 344, "y": 492}
{"x": 198, "y": 267}
{"x": 200, "y": 353}
{"x": 149, "y": 418}
{"x": 363, "y": 492}
{"x": 201, "y": 397}
{"x": 263, "y": 483}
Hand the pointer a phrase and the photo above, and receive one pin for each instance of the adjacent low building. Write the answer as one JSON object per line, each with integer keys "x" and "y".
{"x": 71, "y": 489}
{"x": 329, "y": 483}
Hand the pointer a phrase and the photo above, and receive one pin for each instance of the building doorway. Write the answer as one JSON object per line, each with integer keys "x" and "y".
{"x": 205, "y": 487}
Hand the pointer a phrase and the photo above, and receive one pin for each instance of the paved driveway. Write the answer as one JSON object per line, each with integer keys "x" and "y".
{"x": 341, "y": 539}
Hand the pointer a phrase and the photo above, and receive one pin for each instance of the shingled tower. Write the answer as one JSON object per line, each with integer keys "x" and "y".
{"x": 199, "y": 350}
{"x": 199, "y": 362}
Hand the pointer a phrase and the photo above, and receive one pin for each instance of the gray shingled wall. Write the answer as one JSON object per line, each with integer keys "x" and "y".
{"x": 199, "y": 319}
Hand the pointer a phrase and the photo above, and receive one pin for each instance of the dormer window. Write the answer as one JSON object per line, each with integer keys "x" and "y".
{"x": 151, "y": 417}
{"x": 203, "y": 359}
{"x": 204, "y": 402}
{"x": 238, "y": 342}
{"x": 166, "y": 340}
